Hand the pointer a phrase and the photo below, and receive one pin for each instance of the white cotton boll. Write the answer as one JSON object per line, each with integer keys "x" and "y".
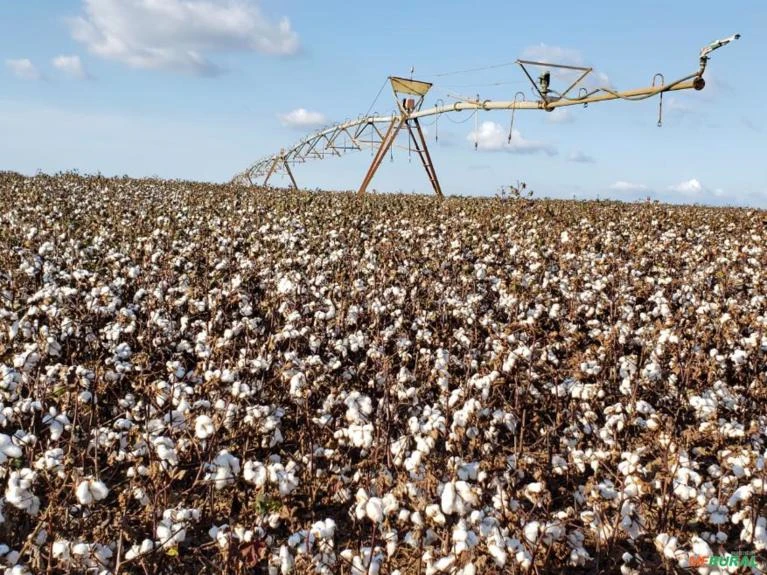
{"x": 718, "y": 514}
{"x": 361, "y": 435}
{"x": 390, "y": 504}
{"x": 324, "y": 529}
{"x": 433, "y": 512}
{"x": 700, "y": 547}
{"x": 524, "y": 558}
{"x": 166, "y": 450}
{"x": 391, "y": 539}
{"x": 742, "y": 493}
{"x": 57, "y": 423}
{"x": 60, "y": 550}
{"x": 652, "y": 371}
{"x": 297, "y": 385}
{"x": 666, "y": 544}
{"x": 220, "y": 535}
{"x": 19, "y": 491}
{"x": 8, "y": 449}
{"x": 558, "y": 465}
{"x": 81, "y": 549}
{"x": 468, "y": 471}
{"x": 756, "y": 533}
{"x": 533, "y": 491}
{"x": 255, "y": 473}
{"x": 445, "y": 564}
{"x": 203, "y": 427}
{"x": 374, "y": 509}
{"x": 739, "y": 357}
{"x": 448, "y": 498}
{"x": 285, "y": 286}
{"x": 532, "y": 532}
{"x": 286, "y": 560}
{"x": 590, "y": 367}
{"x": 347, "y": 555}
{"x": 226, "y": 469}
{"x": 375, "y": 565}
{"x": 90, "y": 490}
{"x": 147, "y": 545}
{"x": 498, "y": 553}
{"x": 629, "y": 463}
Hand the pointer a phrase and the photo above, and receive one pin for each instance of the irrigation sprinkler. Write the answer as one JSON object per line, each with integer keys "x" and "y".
{"x": 409, "y": 96}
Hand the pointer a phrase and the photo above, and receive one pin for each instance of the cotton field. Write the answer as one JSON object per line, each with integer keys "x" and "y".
{"x": 214, "y": 379}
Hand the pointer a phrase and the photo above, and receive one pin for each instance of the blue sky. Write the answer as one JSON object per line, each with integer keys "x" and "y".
{"x": 199, "y": 89}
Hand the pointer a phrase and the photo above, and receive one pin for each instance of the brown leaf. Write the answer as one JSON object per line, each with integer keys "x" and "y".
{"x": 252, "y": 553}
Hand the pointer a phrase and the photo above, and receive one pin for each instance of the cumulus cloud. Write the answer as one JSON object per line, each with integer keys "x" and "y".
{"x": 581, "y": 158}
{"x": 71, "y": 66}
{"x": 302, "y": 118}
{"x": 560, "y": 116}
{"x": 689, "y": 187}
{"x": 694, "y": 187}
{"x": 623, "y": 186}
{"x": 677, "y": 106}
{"x": 23, "y": 68}
{"x": 569, "y": 57}
{"x": 178, "y": 35}
{"x": 491, "y": 137}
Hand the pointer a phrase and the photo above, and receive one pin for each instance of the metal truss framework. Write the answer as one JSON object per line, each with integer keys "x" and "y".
{"x": 380, "y": 132}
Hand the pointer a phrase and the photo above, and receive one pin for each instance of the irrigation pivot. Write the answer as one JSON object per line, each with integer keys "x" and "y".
{"x": 380, "y": 132}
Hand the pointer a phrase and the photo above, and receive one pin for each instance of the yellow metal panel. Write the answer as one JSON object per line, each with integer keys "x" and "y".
{"x": 406, "y": 86}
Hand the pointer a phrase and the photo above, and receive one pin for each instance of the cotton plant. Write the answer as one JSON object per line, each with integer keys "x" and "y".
{"x": 517, "y": 385}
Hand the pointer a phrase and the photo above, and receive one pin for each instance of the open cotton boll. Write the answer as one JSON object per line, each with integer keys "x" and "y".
{"x": 90, "y": 491}
{"x": 8, "y": 449}
{"x": 225, "y": 469}
{"x": 61, "y": 549}
{"x": 374, "y": 509}
{"x": 445, "y": 564}
{"x": 203, "y": 427}
{"x": 324, "y": 529}
{"x": 756, "y": 533}
{"x": 297, "y": 385}
{"x": 285, "y": 286}
{"x": 255, "y": 473}
{"x": 433, "y": 512}
{"x": 666, "y": 544}
{"x": 532, "y": 531}
{"x": 19, "y": 491}
{"x": 286, "y": 560}
{"x": 147, "y": 546}
{"x": 534, "y": 491}
{"x": 498, "y": 553}
{"x": 448, "y": 498}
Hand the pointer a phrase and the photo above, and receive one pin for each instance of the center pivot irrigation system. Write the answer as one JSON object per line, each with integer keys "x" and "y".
{"x": 409, "y": 95}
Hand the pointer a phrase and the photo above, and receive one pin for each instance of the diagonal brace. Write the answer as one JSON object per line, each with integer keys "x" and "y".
{"x": 386, "y": 143}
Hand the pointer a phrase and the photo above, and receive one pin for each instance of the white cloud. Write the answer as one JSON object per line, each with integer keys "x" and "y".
{"x": 70, "y": 65}
{"x": 623, "y": 186}
{"x": 581, "y": 158}
{"x": 492, "y": 137}
{"x": 569, "y": 57}
{"x": 23, "y": 68}
{"x": 677, "y": 107}
{"x": 560, "y": 116}
{"x": 689, "y": 187}
{"x": 302, "y": 118}
{"x": 178, "y": 34}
